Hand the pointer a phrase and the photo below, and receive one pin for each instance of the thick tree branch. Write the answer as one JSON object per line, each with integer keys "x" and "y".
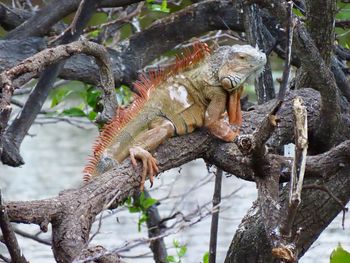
{"x": 320, "y": 25}
{"x": 73, "y": 211}
{"x": 208, "y": 15}
{"x": 9, "y": 236}
{"x": 258, "y": 35}
{"x": 12, "y": 17}
{"x": 320, "y": 75}
{"x": 37, "y": 63}
{"x": 20, "y": 126}
{"x": 51, "y": 14}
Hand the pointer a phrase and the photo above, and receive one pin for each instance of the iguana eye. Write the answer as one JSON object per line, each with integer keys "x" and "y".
{"x": 241, "y": 56}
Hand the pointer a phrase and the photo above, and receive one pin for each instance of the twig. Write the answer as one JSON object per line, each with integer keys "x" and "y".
{"x": 255, "y": 144}
{"x": 215, "y": 216}
{"x": 181, "y": 225}
{"x": 122, "y": 19}
{"x": 345, "y": 23}
{"x": 73, "y": 25}
{"x": 34, "y": 237}
{"x": 329, "y": 192}
{"x": 287, "y": 62}
{"x": 286, "y": 249}
{"x": 155, "y": 228}
{"x": 301, "y": 142}
{"x": 5, "y": 259}
{"x": 9, "y": 236}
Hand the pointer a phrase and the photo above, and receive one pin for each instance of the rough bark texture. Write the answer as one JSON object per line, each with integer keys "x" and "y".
{"x": 73, "y": 211}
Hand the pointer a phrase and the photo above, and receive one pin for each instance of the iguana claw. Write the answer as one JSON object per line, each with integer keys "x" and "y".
{"x": 149, "y": 164}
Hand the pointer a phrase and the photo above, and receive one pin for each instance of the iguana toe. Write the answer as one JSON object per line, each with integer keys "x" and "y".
{"x": 149, "y": 164}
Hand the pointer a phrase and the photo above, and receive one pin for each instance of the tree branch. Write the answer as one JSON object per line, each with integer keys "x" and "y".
{"x": 51, "y": 14}
{"x": 72, "y": 212}
{"x": 258, "y": 35}
{"x": 37, "y": 63}
{"x": 9, "y": 236}
{"x": 318, "y": 71}
{"x": 155, "y": 229}
{"x": 215, "y": 216}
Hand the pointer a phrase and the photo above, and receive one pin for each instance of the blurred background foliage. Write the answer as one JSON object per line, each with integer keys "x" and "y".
{"x": 76, "y": 99}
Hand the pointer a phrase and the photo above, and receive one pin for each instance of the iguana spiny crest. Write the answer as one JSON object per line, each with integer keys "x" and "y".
{"x": 193, "y": 93}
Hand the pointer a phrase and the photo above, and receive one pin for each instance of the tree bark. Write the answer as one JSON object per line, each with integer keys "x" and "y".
{"x": 73, "y": 211}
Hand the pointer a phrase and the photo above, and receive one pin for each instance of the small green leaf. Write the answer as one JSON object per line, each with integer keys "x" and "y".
{"x": 176, "y": 243}
{"x": 73, "y": 112}
{"x": 164, "y": 7}
{"x": 134, "y": 209}
{"x": 59, "y": 95}
{"x": 340, "y": 255}
{"x": 206, "y": 257}
{"x": 92, "y": 115}
{"x": 156, "y": 7}
{"x": 98, "y": 18}
{"x": 94, "y": 33}
{"x": 142, "y": 220}
{"x": 170, "y": 259}
{"x": 297, "y": 12}
{"x": 147, "y": 203}
{"x": 92, "y": 97}
{"x": 182, "y": 251}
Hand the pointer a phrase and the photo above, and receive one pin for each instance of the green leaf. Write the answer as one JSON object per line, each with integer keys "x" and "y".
{"x": 94, "y": 33}
{"x": 134, "y": 209}
{"x": 92, "y": 97}
{"x": 73, "y": 112}
{"x": 176, "y": 243}
{"x": 147, "y": 203}
{"x": 98, "y": 18}
{"x": 59, "y": 95}
{"x": 73, "y": 89}
{"x": 92, "y": 115}
{"x": 156, "y": 7}
{"x": 142, "y": 220}
{"x": 128, "y": 201}
{"x": 206, "y": 257}
{"x": 297, "y": 12}
{"x": 164, "y": 7}
{"x": 182, "y": 251}
{"x": 340, "y": 255}
{"x": 170, "y": 259}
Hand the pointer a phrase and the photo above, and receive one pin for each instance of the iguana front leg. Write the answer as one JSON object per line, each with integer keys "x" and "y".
{"x": 148, "y": 141}
{"x": 214, "y": 118}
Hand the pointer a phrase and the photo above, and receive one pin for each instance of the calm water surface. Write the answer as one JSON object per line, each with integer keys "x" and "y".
{"x": 55, "y": 155}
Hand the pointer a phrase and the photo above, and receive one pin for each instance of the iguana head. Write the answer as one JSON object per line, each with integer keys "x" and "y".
{"x": 229, "y": 67}
{"x": 238, "y": 63}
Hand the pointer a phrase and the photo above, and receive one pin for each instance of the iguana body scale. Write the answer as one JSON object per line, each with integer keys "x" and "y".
{"x": 192, "y": 94}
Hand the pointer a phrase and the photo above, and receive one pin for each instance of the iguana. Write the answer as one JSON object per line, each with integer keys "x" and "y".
{"x": 193, "y": 93}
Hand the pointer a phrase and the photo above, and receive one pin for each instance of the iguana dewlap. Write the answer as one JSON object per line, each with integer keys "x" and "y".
{"x": 194, "y": 93}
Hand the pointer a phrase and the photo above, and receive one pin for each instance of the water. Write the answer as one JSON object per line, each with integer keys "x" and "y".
{"x": 55, "y": 155}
